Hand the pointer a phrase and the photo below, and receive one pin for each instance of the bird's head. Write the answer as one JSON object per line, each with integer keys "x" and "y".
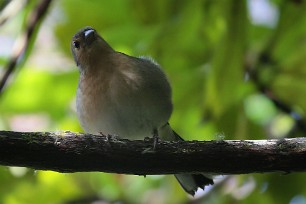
{"x": 88, "y": 47}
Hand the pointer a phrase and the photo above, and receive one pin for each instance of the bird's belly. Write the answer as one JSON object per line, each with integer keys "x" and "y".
{"x": 130, "y": 122}
{"x": 127, "y": 123}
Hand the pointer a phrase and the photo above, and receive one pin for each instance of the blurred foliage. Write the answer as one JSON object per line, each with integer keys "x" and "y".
{"x": 231, "y": 64}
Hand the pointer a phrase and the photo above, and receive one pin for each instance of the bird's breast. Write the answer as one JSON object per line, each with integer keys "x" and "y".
{"x": 117, "y": 107}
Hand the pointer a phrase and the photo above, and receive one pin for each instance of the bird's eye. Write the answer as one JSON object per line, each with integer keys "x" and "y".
{"x": 76, "y": 44}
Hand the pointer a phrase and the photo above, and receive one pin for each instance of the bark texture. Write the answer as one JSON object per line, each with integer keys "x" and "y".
{"x": 71, "y": 152}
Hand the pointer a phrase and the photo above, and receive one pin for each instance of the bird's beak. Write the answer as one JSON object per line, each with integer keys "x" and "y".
{"x": 89, "y": 36}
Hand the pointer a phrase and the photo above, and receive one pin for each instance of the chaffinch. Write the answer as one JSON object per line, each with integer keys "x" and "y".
{"x": 125, "y": 96}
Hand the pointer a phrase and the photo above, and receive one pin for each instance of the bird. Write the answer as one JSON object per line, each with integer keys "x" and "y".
{"x": 126, "y": 96}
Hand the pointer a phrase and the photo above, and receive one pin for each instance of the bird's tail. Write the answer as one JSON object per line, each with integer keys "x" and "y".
{"x": 189, "y": 182}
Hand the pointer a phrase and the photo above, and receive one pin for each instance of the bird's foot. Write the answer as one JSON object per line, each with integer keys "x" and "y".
{"x": 102, "y": 134}
{"x": 155, "y": 141}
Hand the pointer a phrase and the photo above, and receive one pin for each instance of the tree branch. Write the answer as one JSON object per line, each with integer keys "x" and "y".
{"x": 71, "y": 152}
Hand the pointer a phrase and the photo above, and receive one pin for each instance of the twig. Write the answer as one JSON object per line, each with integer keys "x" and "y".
{"x": 8, "y": 9}
{"x": 265, "y": 59}
{"x": 22, "y": 43}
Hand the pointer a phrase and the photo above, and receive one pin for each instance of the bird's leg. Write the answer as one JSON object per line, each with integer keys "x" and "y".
{"x": 102, "y": 134}
{"x": 155, "y": 138}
